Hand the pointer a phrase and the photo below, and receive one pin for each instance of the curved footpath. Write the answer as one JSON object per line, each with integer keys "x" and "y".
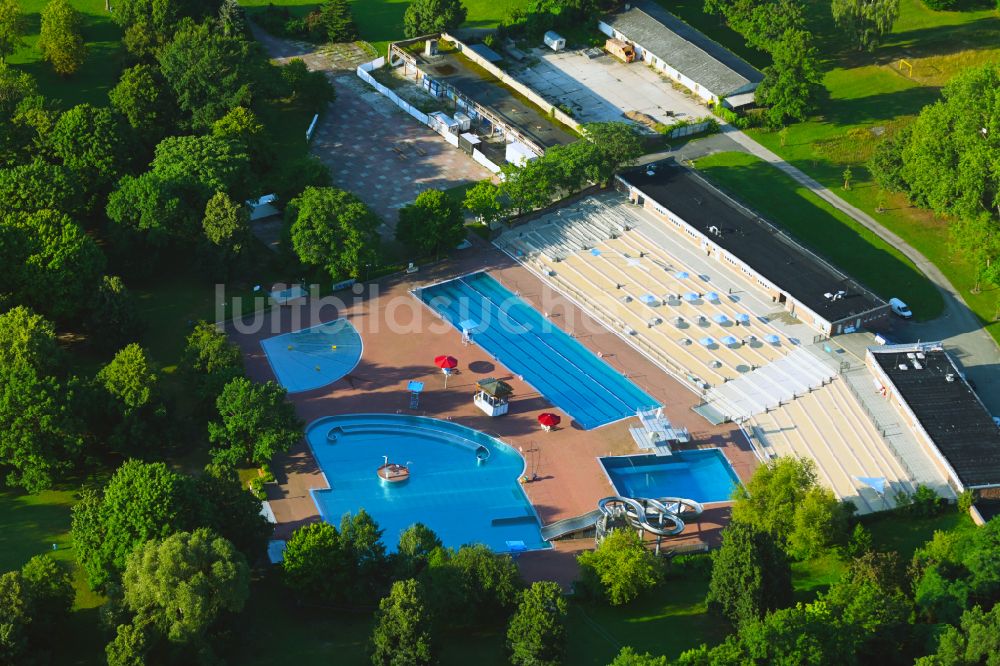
{"x": 958, "y": 327}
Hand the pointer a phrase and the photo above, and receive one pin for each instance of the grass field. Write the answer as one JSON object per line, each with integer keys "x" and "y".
{"x": 866, "y": 92}
{"x": 823, "y": 228}
{"x": 100, "y": 70}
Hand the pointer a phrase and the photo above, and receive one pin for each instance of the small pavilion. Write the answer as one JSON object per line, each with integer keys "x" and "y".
{"x": 493, "y": 396}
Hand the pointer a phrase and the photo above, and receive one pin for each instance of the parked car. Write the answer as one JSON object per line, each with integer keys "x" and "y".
{"x": 899, "y": 308}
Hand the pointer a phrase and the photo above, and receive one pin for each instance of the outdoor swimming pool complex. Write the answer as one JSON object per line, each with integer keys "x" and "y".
{"x": 313, "y": 357}
{"x": 515, "y": 334}
{"x": 702, "y": 475}
{"x": 449, "y": 490}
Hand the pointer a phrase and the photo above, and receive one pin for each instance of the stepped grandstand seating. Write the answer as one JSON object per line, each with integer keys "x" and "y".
{"x": 788, "y": 399}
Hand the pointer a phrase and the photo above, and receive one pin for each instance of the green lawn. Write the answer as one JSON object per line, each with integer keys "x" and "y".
{"x": 101, "y": 68}
{"x": 824, "y": 229}
{"x": 867, "y": 92}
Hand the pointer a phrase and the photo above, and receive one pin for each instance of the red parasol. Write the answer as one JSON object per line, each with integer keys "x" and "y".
{"x": 446, "y": 362}
{"x": 548, "y": 419}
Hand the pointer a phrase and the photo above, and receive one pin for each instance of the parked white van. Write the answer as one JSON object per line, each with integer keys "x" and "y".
{"x": 899, "y": 308}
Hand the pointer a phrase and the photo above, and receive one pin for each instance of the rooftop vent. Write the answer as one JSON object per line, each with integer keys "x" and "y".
{"x": 950, "y": 377}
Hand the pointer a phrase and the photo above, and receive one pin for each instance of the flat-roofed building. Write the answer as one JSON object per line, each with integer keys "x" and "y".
{"x": 811, "y": 289}
{"x": 708, "y": 69}
{"x": 927, "y": 388}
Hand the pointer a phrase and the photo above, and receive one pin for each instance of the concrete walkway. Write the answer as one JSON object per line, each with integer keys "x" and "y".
{"x": 958, "y": 327}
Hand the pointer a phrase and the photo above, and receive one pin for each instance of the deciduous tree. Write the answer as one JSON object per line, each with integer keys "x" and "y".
{"x": 402, "y": 628}
{"x": 483, "y": 201}
{"x": 61, "y": 38}
{"x": 334, "y": 230}
{"x": 792, "y": 82}
{"x": 255, "y": 423}
{"x": 114, "y": 318}
{"x": 865, "y": 22}
{"x": 143, "y": 98}
{"x": 11, "y": 28}
{"x": 976, "y": 640}
{"x": 536, "y": 635}
{"x": 750, "y": 575}
{"x": 424, "y": 17}
{"x": 431, "y": 225}
{"x": 210, "y": 361}
{"x": 620, "y": 569}
{"x": 27, "y": 339}
{"x": 40, "y": 433}
{"x": 227, "y": 229}
{"x": 89, "y": 142}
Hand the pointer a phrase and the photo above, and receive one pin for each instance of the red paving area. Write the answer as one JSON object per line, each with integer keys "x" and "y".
{"x": 401, "y": 338}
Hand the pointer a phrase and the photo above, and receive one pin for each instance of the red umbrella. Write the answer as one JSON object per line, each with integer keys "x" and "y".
{"x": 446, "y": 362}
{"x": 548, "y": 420}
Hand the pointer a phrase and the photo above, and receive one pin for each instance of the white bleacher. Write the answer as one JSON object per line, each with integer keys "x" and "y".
{"x": 769, "y": 386}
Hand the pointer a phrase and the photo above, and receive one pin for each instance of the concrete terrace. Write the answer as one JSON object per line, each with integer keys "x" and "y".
{"x": 570, "y": 478}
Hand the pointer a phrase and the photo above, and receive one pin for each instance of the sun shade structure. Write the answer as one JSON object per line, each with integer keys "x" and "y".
{"x": 548, "y": 420}
{"x": 876, "y": 483}
{"x": 712, "y": 296}
{"x": 730, "y": 340}
{"x": 772, "y": 338}
{"x": 446, "y": 362}
{"x": 721, "y": 319}
{"x": 707, "y": 341}
{"x": 493, "y": 396}
{"x": 649, "y": 299}
{"x": 743, "y": 318}
{"x": 595, "y": 252}
{"x": 682, "y": 275}
{"x": 690, "y": 297}
{"x": 496, "y": 388}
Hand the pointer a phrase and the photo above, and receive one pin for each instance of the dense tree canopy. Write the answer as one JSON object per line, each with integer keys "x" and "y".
{"x": 334, "y": 230}
{"x": 483, "y": 201}
{"x": 402, "y": 628}
{"x": 61, "y": 39}
{"x": 35, "y": 602}
{"x": 27, "y": 339}
{"x": 792, "y": 82}
{"x": 750, "y": 575}
{"x": 142, "y": 97}
{"x": 40, "y": 433}
{"x": 149, "y": 24}
{"x": 183, "y": 583}
{"x": 976, "y": 640}
{"x": 211, "y": 73}
{"x": 784, "y": 499}
{"x": 90, "y": 143}
{"x": 537, "y": 632}
{"x": 431, "y": 225}
{"x": 114, "y": 318}
{"x": 425, "y": 17}
{"x": 255, "y": 423}
{"x": 210, "y": 361}
{"x": 11, "y": 28}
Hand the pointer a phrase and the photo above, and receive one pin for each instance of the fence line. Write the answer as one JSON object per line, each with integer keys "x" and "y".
{"x": 363, "y": 73}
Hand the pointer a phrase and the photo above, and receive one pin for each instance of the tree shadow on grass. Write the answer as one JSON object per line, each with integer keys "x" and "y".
{"x": 379, "y": 20}
{"x": 879, "y": 107}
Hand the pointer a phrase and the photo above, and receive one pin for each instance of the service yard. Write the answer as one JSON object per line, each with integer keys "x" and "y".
{"x": 604, "y": 88}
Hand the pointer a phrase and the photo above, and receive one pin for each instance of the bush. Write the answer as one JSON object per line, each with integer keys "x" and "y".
{"x": 925, "y": 502}
{"x": 620, "y": 569}
{"x": 256, "y": 486}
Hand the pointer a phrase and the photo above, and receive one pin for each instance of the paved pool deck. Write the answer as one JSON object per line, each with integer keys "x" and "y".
{"x": 569, "y": 478}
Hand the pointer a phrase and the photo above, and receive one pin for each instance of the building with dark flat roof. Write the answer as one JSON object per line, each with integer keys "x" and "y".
{"x": 806, "y": 285}
{"x": 924, "y": 384}
{"x": 687, "y": 56}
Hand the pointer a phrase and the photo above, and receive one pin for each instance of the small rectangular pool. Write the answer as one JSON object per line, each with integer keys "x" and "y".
{"x": 565, "y": 372}
{"x": 703, "y": 475}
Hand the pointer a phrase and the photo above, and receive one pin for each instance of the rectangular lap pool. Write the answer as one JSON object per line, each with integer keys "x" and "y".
{"x": 702, "y": 475}
{"x": 515, "y": 334}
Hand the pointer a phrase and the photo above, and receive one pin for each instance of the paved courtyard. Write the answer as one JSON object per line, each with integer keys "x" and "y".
{"x": 604, "y": 88}
{"x": 372, "y": 148}
{"x": 570, "y": 481}
{"x": 382, "y": 154}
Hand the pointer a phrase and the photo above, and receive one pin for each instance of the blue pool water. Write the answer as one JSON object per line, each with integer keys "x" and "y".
{"x": 462, "y": 500}
{"x": 313, "y": 357}
{"x": 702, "y": 475}
{"x": 517, "y": 335}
